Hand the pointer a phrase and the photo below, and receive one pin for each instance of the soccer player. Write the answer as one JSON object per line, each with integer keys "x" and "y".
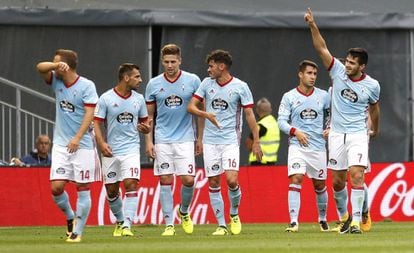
{"x": 302, "y": 114}
{"x": 225, "y": 97}
{"x": 74, "y": 156}
{"x": 167, "y": 95}
{"x": 124, "y": 112}
{"x": 354, "y": 94}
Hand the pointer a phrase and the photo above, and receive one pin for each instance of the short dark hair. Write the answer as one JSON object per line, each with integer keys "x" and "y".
{"x": 68, "y": 56}
{"x": 360, "y": 53}
{"x": 220, "y": 56}
{"x": 303, "y": 64}
{"x": 126, "y": 69}
{"x": 171, "y": 49}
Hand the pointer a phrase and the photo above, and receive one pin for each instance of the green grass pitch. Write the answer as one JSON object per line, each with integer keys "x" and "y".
{"x": 384, "y": 237}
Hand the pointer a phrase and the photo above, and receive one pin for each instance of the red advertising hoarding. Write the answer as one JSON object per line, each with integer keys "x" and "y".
{"x": 25, "y": 197}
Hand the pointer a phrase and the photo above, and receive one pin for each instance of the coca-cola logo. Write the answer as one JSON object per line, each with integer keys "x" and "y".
{"x": 397, "y": 196}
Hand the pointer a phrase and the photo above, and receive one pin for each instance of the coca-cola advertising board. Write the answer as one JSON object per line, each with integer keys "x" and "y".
{"x": 25, "y": 197}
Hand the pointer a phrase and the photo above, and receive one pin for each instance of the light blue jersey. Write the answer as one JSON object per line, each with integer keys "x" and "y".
{"x": 70, "y": 102}
{"x": 173, "y": 123}
{"x": 122, "y": 115}
{"x": 226, "y": 101}
{"x": 350, "y": 99}
{"x": 304, "y": 113}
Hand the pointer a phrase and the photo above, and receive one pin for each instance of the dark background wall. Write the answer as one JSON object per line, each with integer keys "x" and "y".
{"x": 265, "y": 58}
{"x": 267, "y": 38}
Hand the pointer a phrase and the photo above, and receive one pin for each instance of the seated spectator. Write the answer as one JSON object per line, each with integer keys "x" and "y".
{"x": 39, "y": 156}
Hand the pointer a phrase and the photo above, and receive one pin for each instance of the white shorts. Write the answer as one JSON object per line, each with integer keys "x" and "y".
{"x": 305, "y": 161}
{"x": 82, "y": 166}
{"x": 347, "y": 150}
{"x": 220, "y": 157}
{"x": 174, "y": 158}
{"x": 118, "y": 168}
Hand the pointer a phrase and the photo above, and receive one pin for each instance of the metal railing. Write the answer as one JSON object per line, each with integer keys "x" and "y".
{"x": 19, "y": 127}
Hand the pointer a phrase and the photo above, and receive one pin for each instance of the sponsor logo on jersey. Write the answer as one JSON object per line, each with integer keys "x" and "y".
{"x": 219, "y": 104}
{"x": 296, "y": 166}
{"x": 66, "y": 107}
{"x": 125, "y": 118}
{"x": 111, "y": 174}
{"x": 350, "y": 95}
{"x": 60, "y": 171}
{"x": 165, "y": 166}
{"x": 173, "y": 101}
{"x": 308, "y": 114}
{"x": 332, "y": 162}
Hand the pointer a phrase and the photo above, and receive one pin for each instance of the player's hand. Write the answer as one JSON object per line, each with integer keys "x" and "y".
{"x": 145, "y": 128}
{"x": 302, "y": 138}
{"x": 198, "y": 147}
{"x": 257, "y": 151}
{"x": 372, "y": 133}
{"x": 62, "y": 66}
{"x": 325, "y": 133}
{"x": 309, "y": 16}
{"x": 212, "y": 117}
{"x": 149, "y": 150}
{"x": 106, "y": 150}
{"x": 73, "y": 145}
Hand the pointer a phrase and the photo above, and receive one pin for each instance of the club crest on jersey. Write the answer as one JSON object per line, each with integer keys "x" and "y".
{"x": 66, "y": 107}
{"x": 60, "y": 171}
{"x": 165, "y": 166}
{"x": 308, "y": 114}
{"x": 173, "y": 101}
{"x": 125, "y": 118}
{"x": 296, "y": 166}
{"x": 332, "y": 162}
{"x": 111, "y": 174}
{"x": 219, "y": 104}
{"x": 231, "y": 93}
{"x": 350, "y": 95}
{"x": 215, "y": 167}
{"x": 136, "y": 104}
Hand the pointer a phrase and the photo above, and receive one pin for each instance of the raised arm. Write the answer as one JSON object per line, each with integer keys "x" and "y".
{"x": 317, "y": 39}
{"x": 45, "y": 68}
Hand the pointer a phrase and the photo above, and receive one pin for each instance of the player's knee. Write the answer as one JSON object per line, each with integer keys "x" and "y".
{"x": 187, "y": 181}
{"x": 232, "y": 183}
{"x": 56, "y": 191}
